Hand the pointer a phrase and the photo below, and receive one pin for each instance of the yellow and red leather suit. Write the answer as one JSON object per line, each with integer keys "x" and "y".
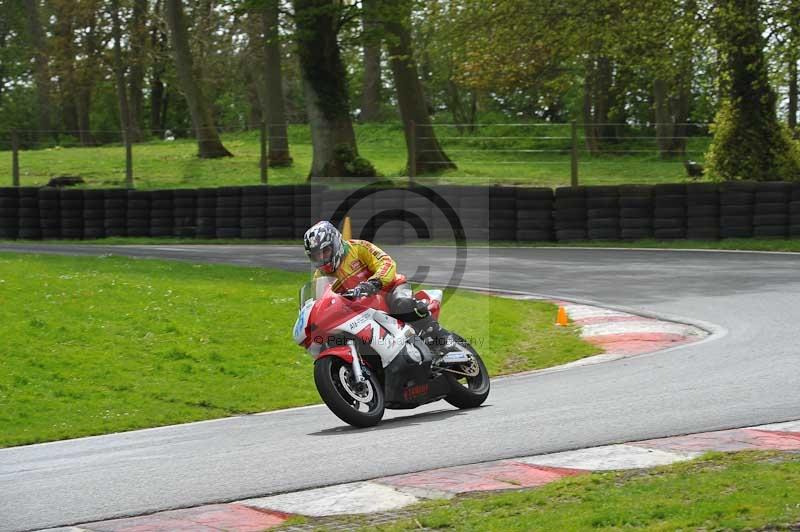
{"x": 361, "y": 262}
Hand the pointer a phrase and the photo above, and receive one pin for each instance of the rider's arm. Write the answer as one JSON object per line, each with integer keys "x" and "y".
{"x": 379, "y": 262}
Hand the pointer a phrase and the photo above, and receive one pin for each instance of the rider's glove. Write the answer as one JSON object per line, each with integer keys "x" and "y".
{"x": 368, "y": 288}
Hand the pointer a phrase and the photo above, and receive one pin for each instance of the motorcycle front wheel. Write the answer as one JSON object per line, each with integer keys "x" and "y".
{"x": 469, "y": 388}
{"x": 358, "y": 404}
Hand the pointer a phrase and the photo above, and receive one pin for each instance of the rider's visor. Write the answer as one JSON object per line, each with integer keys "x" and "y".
{"x": 320, "y": 257}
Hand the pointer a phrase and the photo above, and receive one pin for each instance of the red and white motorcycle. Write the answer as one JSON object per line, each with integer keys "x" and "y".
{"x": 367, "y": 360}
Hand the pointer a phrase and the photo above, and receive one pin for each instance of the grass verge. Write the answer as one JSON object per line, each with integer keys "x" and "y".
{"x": 718, "y": 491}
{"x": 98, "y": 345}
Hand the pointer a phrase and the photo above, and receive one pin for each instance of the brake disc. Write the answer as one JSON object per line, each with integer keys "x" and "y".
{"x": 366, "y": 393}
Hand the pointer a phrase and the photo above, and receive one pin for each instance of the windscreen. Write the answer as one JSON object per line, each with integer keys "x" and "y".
{"x": 314, "y": 289}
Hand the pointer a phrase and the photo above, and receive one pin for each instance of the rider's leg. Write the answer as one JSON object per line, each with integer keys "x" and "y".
{"x": 414, "y": 312}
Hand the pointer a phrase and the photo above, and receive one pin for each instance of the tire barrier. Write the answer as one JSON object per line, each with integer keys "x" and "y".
{"x": 534, "y": 214}
{"x": 229, "y": 212}
{"x": 794, "y": 211}
{"x": 29, "y": 218}
{"x": 602, "y": 213}
{"x": 771, "y": 210}
{"x": 502, "y": 214}
{"x": 635, "y": 212}
{"x": 115, "y": 212}
{"x": 736, "y": 199}
{"x": 739, "y": 209}
{"x": 137, "y": 213}
{"x": 9, "y": 213}
{"x": 669, "y": 211}
{"x": 702, "y": 211}
{"x": 184, "y": 202}
{"x": 206, "y": 213}
{"x": 162, "y": 213}
{"x": 570, "y": 213}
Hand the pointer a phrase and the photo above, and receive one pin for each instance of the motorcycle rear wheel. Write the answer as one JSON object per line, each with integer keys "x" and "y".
{"x": 468, "y": 392}
{"x": 360, "y": 406}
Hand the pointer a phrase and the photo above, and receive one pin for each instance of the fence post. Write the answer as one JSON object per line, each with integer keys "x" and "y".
{"x": 14, "y": 158}
{"x": 264, "y": 163}
{"x": 128, "y": 158}
{"x": 412, "y": 151}
{"x": 574, "y": 170}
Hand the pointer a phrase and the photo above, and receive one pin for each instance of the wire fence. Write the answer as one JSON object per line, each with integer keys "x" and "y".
{"x": 516, "y": 153}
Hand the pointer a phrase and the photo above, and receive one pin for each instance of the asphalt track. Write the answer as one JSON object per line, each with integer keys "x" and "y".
{"x": 746, "y": 373}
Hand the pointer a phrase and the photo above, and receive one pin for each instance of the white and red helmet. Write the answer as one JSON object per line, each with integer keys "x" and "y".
{"x": 324, "y": 246}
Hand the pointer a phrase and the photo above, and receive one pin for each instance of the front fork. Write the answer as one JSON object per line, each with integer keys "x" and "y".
{"x": 358, "y": 373}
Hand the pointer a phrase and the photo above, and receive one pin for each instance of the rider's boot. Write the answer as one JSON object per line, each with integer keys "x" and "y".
{"x": 439, "y": 340}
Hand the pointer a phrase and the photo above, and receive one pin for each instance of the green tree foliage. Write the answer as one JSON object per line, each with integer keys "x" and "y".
{"x": 749, "y": 143}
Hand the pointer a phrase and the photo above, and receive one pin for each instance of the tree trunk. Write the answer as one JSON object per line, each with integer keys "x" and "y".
{"x": 85, "y": 83}
{"x": 665, "y": 130}
{"x": 589, "y": 129}
{"x": 680, "y": 111}
{"x": 84, "y": 105}
{"x": 325, "y": 87}
{"x": 158, "y": 41}
{"x": 41, "y": 70}
{"x": 63, "y": 66}
{"x": 254, "y": 117}
{"x": 411, "y": 99}
{"x": 793, "y": 93}
{"x": 602, "y": 100}
{"x": 138, "y": 35}
{"x": 272, "y": 105}
{"x": 119, "y": 71}
{"x": 4, "y": 31}
{"x": 371, "y": 83}
{"x": 208, "y": 141}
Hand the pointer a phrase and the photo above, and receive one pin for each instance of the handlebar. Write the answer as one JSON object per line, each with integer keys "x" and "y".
{"x": 350, "y": 294}
{"x": 353, "y": 293}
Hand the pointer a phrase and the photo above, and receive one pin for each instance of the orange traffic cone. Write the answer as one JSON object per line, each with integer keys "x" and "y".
{"x": 562, "y": 318}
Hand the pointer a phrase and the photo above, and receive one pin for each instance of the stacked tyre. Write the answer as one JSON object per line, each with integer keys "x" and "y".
{"x": 736, "y": 199}
{"x": 602, "y": 213}
{"x": 115, "y": 206}
{"x": 207, "y": 213}
{"x": 534, "y": 214}
{"x": 794, "y": 212}
{"x": 771, "y": 210}
{"x": 419, "y": 205}
{"x": 569, "y": 213}
{"x": 229, "y": 212}
{"x": 361, "y": 212}
{"x": 162, "y": 213}
{"x": 702, "y": 211}
{"x": 473, "y": 210}
{"x": 635, "y": 212}
{"x": 29, "y": 222}
{"x": 49, "y": 213}
{"x": 389, "y": 216}
{"x": 305, "y": 207}
{"x": 94, "y": 214}
{"x": 137, "y": 213}
{"x": 503, "y": 214}
{"x": 669, "y": 212}
{"x": 280, "y": 222}
{"x": 9, "y": 213}
{"x": 446, "y": 222}
{"x": 184, "y": 202}
{"x": 71, "y": 204}
{"x": 254, "y": 212}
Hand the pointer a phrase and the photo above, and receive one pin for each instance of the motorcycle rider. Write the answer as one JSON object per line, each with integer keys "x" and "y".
{"x": 363, "y": 267}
